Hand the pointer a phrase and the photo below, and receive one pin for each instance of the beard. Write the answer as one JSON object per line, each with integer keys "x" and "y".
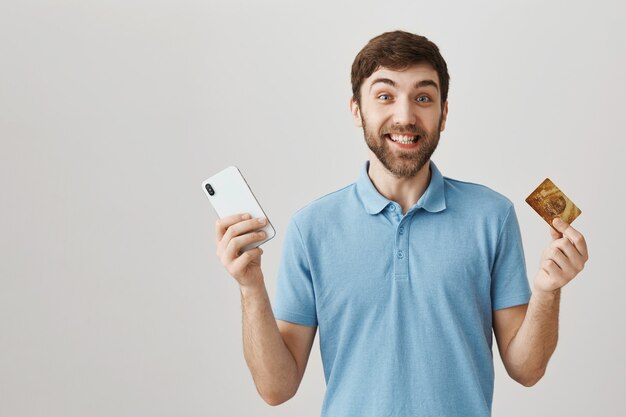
{"x": 405, "y": 163}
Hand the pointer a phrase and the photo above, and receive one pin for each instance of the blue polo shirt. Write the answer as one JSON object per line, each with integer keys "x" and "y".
{"x": 404, "y": 303}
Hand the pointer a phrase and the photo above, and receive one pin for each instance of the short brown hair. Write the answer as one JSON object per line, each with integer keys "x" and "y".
{"x": 397, "y": 51}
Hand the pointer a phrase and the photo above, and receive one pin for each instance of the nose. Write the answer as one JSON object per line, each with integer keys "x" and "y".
{"x": 404, "y": 112}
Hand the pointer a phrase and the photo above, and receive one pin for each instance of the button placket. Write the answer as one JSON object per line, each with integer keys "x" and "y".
{"x": 401, "y": 258}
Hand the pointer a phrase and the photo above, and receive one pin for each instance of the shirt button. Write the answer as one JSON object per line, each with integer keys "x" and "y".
{"x": 401, "y": 230}
{"x": 400, "y": 254}
{"x": 392, "y": 208}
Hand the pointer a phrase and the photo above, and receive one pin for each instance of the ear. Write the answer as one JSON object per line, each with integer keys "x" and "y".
{"x": 444, "y": 116}
{"x": 356, "y": 113}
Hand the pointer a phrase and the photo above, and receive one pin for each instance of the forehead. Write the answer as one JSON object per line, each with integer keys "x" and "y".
{"x": 405, "y": 78}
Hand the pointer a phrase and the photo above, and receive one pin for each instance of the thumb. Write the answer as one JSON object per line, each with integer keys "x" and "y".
{"x": 558, "y": 227}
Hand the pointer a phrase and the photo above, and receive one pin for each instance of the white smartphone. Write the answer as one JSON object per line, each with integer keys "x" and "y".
{"x": 230, "y": 194}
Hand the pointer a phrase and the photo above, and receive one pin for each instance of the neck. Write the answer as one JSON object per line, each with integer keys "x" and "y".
{"x": 404, "y": 191}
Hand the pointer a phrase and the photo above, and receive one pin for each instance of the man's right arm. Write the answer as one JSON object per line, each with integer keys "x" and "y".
{"x": 276, "y": 351}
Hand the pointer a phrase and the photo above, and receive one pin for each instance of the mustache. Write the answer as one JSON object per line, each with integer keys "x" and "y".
{"x": 405, "y": 130}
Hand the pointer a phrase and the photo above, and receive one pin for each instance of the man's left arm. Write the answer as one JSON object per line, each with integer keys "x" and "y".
{"x": 527, "y": 334}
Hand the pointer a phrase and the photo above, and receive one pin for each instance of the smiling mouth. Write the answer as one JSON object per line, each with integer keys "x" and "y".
{"x": 403, "y": 139}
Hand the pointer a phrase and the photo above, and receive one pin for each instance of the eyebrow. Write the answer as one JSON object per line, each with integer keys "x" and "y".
{"x": 419, "y": 84}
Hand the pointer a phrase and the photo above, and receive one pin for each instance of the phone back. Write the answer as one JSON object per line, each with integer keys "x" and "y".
{"x": 230, "y": 194}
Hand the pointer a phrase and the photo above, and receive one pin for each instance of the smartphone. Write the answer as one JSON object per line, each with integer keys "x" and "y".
{"x": 230, "y": 194}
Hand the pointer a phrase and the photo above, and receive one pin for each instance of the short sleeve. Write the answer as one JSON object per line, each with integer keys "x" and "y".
{"x": 509, "y": 281}
{"x": 295, "y": 295}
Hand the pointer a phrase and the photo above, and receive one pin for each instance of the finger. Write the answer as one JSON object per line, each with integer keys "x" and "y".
{"x": 568, "y": 248}
{"x": 243, "y": 227}
{"x": 221, "y": 225}
{"x": 561, "y": 260}
{"x": 574, "y": 236}
{"x": 555, "y": 234}
{"x": 233, "y": 250}
{"x": 551, "y": 268}
{"x": 554, "y": 274}
{"x": 238, "y": 229}
{"x": 248, "y": 256}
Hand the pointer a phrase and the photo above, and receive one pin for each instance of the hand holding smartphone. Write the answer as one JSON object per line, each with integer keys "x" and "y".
{"x": 230, "y": 194}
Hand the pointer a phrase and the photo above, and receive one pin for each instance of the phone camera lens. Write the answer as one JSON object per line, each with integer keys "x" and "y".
{"x": 210, "y": 189}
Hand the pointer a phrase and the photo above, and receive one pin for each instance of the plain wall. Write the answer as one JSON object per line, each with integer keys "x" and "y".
{"x": 112, "y": 301}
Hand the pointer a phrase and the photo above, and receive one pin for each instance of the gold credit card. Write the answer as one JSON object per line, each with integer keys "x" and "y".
{"x": 550, "y": 202}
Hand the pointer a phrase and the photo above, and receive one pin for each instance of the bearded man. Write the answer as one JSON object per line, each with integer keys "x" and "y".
{"x": 405, "y": 272}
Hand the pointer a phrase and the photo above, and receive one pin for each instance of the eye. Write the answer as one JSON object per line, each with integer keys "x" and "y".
{"x": 423, "y": 99}
{"x": 384, "y": 97}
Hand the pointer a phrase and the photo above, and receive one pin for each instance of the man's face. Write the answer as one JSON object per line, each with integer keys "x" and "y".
{"x": 401, "y": 116}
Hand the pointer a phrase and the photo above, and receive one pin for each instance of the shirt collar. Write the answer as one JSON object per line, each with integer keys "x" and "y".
{"x": 433, "y": 199}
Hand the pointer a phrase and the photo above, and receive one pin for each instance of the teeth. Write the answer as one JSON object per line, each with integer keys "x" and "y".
{"x": 402, "y": 139}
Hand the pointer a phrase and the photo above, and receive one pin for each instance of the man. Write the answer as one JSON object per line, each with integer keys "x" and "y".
{"x": 405, "y": 272}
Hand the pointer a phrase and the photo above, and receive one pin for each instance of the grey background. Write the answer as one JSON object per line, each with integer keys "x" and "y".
{"x": 112, "y": 302}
